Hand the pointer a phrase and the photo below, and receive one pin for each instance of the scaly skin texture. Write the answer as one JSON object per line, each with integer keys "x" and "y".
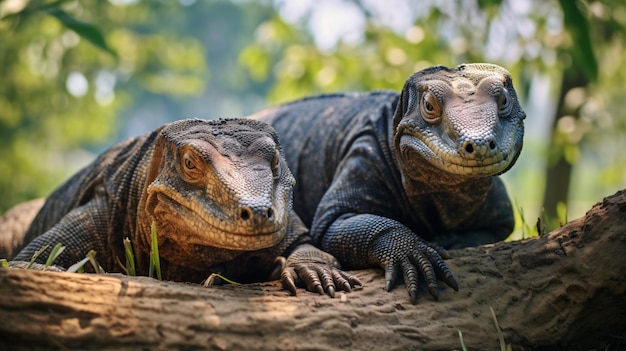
{"x": 219, "y": 193}
{"x": 384, "y": 178}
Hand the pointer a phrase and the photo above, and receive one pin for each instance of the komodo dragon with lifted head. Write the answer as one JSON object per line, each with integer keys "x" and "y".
{"x": 381, "y": 175}
{"x": 219, "y": 193}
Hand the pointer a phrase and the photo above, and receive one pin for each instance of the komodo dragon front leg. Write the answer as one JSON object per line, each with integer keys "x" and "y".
{"x": 79, "y": 231}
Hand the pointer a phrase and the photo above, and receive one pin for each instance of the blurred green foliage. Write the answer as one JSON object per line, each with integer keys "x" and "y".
{"x": 73, "y": 71}
{"x": 147, "y": 63}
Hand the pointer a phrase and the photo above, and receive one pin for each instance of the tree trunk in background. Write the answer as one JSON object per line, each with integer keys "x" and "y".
{"x": 559, "y": 170}
{"x": 560, "y": 291}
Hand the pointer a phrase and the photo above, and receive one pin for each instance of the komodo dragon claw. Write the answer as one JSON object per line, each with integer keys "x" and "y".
{"x": 317, "y": 270}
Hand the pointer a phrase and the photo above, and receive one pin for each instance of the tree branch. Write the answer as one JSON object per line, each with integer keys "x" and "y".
{"x": 565, "y": 289}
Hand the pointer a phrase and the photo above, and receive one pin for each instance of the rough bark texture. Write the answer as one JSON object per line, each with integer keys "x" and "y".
{"x": 566, "y": 289}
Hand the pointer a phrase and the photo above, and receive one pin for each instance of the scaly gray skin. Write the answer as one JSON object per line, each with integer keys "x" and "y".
{"x": 381, "y": 174}
{"x": 219, "y": 193}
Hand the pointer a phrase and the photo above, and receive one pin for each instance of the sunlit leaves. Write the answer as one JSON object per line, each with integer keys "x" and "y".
{"x": 46, "y": 118}
{"x": 55, "y": 9}
{"x": 85, "y": 30}
{"x": 256, "y": 61}
{"x": 300, "y": 68}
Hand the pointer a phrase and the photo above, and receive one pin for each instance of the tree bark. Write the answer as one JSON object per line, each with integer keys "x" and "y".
{"x": 563, "y": 290}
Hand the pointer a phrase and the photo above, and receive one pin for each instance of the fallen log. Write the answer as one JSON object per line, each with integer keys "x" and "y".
{"x": 562, "y": 290}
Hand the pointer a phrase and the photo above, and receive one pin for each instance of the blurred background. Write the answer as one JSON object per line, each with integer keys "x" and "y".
{"x": 77, "y": 76}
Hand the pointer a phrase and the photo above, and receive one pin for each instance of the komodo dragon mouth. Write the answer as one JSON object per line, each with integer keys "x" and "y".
{"x": 188, "y": 222}
{"x": 448, "y": 159}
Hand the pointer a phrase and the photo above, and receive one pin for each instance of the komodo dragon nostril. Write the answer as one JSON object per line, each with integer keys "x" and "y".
{"x": 245, "y": 213}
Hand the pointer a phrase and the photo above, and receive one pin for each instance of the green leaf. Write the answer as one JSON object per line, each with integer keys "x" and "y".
{"x": 54, "y": 253}
{"x": 4, "y": 263}
{"x": 578, "y": 27}
{"x": 85, "y": 30}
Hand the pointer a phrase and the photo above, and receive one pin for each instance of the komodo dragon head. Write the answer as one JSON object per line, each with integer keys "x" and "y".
{"x": 465, "y": 120}
{"x": 221, "y": 184}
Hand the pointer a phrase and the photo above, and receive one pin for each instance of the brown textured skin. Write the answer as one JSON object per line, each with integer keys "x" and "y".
{"x": 381, "y": 174}
{"x": 219, "y": 193}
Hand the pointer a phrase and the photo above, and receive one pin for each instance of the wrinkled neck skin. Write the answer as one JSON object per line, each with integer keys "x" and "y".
{"x": 421, "y": 178}
{"x": 455, "y": 198}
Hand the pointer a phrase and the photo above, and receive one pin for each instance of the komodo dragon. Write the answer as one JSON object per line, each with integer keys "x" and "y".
{"x": 381, "y": 175}
{"x": 219, "y": 193}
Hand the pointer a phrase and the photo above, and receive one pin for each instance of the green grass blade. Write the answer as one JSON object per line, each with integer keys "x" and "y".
{"x": 499, "y": 330}
{"x": 78, "y": 266}
{"x": 56, "y": 251}
{"x": 209, "y": 281}
{"x": 155, "y": 261}
{"x": 91, "y": 255}
{"x": 130, "y": 258}
{"x": 463, "y": 347}
{"x": 35, "y": 255}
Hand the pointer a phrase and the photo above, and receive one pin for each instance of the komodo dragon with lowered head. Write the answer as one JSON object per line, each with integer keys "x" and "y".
{"x": 219, "y": 194}
{"x": 382, "y": 175}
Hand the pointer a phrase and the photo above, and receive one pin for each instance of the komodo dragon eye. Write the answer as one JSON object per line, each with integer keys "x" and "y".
{"x": 192, "y": 170}
{"x": 275, "y": 161}
{"x": 503, "y": 100}
{"x": 188, "y": 162}
{"x": 431, "y": 108}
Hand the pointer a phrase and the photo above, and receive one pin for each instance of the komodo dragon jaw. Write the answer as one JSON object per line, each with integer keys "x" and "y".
{"x": 466, "y": 121}
{"x": 226, "y": 190}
